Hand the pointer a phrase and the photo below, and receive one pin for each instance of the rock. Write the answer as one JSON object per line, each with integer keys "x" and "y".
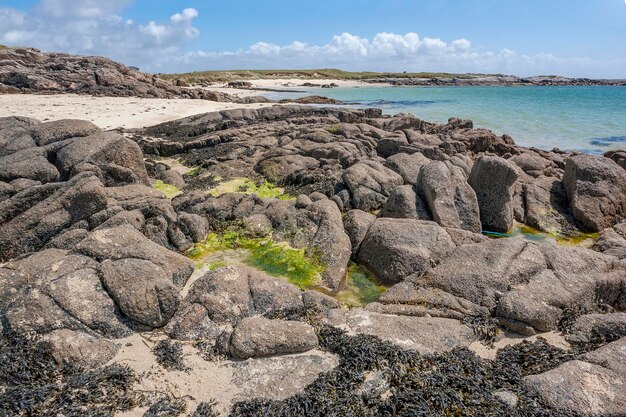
{"x": 451, "y": 200}
{"x": 370, "y": 183}
{"x": 257, "y": 336}
{"x": 76, "y": 200}
{"x": 404, "y": 203}
{"x": 192, "y": 322}
{"x": 357, "y": 224}
{"x": 426, "y": 335}
{"x": 125, "y": 241}
{"x": 396, "y": 248}
{"x": 58, "y": 130}
{"x": 532, "y": 163}
{"x": 612, "y": 241}
{"x": 280, "y": 377}
{"x": 64, "y": 291}
{"x": 113, "y": 158}
{"x": 28, "y": 70}
{"x": 142, "y": 290}
{"x": 597, "y": 328}
{"x": 407, "y": 165}
{"x": 596, "y": 189}
{"x": 592, "y": 386}
{"x": 492, "y": 179}
{"x": 481, "y": 272}
{"x": 31, "y": 163}
{"x": 78, "y": 348}
{"x": 547, "y": 207}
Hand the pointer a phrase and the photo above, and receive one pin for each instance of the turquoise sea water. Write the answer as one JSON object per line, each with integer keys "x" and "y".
{"x": 587, "y": 119}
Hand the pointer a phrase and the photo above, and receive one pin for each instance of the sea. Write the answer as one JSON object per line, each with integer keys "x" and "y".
{"x": 575, "y": 118}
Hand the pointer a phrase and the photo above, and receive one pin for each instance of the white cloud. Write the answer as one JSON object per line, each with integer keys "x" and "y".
{"x": 97, "y": 27}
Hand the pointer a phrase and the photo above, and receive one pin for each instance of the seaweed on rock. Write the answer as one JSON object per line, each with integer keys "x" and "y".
{"x": 457, "y": 383}
{"x": 33, "y": 384}
{"x": 205, "y": 409}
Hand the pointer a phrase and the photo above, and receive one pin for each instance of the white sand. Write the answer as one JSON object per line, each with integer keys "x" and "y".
{"x": 108, "y": 112}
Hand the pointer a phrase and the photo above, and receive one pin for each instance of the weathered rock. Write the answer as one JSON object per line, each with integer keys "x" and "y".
{"x": 113, "y": 158}
{"x": 76, "y": 200}
{"x": 423, "y": 334}
{"x": 547, "y": 207}
{"x": 451, "y": 200}
{"x": 142, "y": 290}
{"x": 404, "y": 203}
{"x": 596, "y": 188}
{"x": 407, "y": 165}
{"x": 370, "y": 183}
{"x": 592, "y": 386}
{"x": 280, "y": 377}
{"x": 58, "y": 130}
{"x": 78, "y": 348}
{"x": 532, "y": 163}
{"x": 396, "y": 248}
{"x": 257, "y": 336}
{"x": 597, "y": 328}
{"x": 492, "y": 179}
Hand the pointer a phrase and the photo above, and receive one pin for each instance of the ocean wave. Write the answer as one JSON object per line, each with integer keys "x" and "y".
{"x": 403, "y": 102}
{"x": 607, "y": 141}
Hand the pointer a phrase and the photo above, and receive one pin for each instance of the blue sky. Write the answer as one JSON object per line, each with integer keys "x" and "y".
{"x": 575, "y": 37}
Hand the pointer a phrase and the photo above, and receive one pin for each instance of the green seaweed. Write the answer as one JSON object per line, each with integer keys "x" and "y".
{"x": 536, "y": 235}
{"x": 170, "y": 191}
{"x": 264, "y": 189}
{"x": 361, "y": 289}
{"x": 277, "y": 259}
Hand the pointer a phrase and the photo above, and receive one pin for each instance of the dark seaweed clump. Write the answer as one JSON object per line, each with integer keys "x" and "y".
{"x": 484, "y": 327}
{"x": 457, "y": 383}
{"x": 169, "y": 355}
{"x": 33, "y": 384}
{"x": 205, "y": 409}
{"x": 166, "y": 407}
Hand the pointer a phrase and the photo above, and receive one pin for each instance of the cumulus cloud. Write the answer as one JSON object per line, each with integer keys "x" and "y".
{"x": 97, "y": 27}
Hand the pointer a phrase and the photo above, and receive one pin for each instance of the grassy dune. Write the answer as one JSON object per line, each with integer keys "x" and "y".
{"x": 313, "y": 74}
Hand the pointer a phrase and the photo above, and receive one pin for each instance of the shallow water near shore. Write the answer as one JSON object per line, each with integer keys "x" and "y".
{"x": 586, "y": 119}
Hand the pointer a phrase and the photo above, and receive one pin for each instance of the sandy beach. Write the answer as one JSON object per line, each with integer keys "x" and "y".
{"x": 132, "y": 112}
{"x": 108, "y": 112}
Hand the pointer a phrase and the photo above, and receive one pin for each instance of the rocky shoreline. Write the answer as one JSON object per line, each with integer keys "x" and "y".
{"x": 497, "y": 81}
{"x": 198, "y": 265}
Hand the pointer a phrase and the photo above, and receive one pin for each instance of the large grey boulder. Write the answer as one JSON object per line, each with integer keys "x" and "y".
{"x": 58, "y": 130}
{"x": 396, "y": 248}
{"x": 30, "y": 230}
{"x": 53, "y": 289}
{"x": 452, "y": 202}
{"x": 547, "y": 207}
{"x": 424, "y": 334}
{"x": 404, "y": 203}
{"x": 407, "y": 165}
{"x": 69, "y": 347}
{"x": 596, "y": 188}
{"x": 492, "y": 179}
{"x": 357, "y": 223}
{"x": 30, "y": 163}
{"x": 142, "y": 290}
{"x": 258, "y": 336}
{"x": 370, "y": 183}
{"x": 482, "y": 272}
{"x": 115, "y": 159}
{"x": 594, "y": 385}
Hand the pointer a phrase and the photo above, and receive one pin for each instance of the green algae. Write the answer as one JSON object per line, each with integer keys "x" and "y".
{"x": 361, "y": 289}
{"x": 536, "y": 235}
{"x": 170, "y": 191}
{"x": 273, "y": 258}
{"x": 264, "y": 189}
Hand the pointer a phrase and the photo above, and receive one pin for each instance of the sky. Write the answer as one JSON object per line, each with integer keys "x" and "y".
{"x": 582, "y": 38}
